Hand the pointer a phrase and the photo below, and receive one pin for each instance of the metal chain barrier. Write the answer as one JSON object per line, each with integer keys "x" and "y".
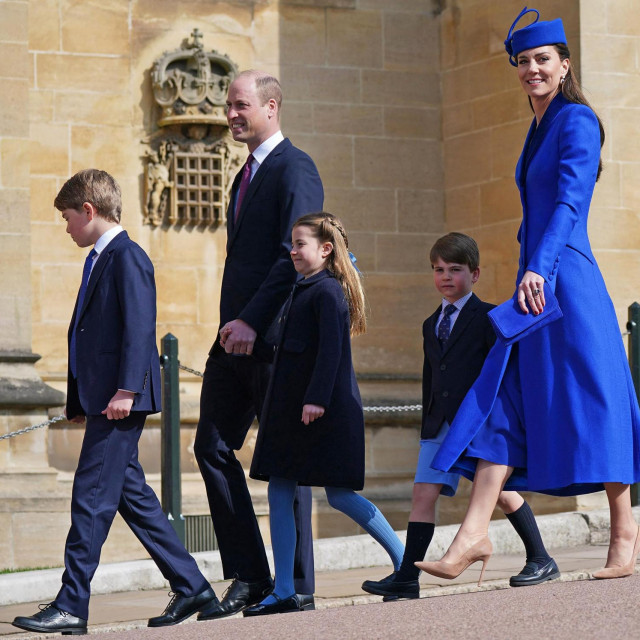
{"x": 195, "y": 373}
{"x": 378, "y": 409}
{"x": 394, "y": 408}
{"x": 13, "y": 434}
{"x": 375, "y": 409}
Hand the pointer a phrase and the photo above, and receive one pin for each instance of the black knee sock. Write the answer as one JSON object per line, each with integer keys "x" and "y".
{"x": 526, "y": 527}
{"x": 419, "y": 536}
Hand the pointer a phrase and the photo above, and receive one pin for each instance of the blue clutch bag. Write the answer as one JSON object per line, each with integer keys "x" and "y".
{"x": 511, "y": 324}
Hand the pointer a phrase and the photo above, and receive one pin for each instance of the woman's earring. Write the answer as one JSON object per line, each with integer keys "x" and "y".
{"x": 561, "y": 79}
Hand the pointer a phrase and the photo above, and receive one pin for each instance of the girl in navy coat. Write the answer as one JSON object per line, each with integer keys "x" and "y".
{"x": 558, "y": 414}
{"x": 312, "y": 429}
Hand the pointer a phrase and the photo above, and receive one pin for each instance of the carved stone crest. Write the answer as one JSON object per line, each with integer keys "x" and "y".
{"x": 191, "y": 159}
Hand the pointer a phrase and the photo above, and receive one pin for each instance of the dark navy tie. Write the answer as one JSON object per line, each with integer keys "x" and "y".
{"x": 444, "y": 328}
{"x": 86, "y": 272}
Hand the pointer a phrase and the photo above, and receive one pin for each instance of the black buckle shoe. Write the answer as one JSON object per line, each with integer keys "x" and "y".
{"x": 286, "y": 605}
{"x": 238, "y": 596}
{"x": 533, "y": 573}
{"x": 51, "y": 619}
{"x": 391, "y": 588}
{"x": 182, "y": 607}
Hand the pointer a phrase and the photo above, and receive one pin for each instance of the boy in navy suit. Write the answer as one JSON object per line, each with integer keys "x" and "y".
{"x": 457, "y": 339}
{"x": 113, "y": 383}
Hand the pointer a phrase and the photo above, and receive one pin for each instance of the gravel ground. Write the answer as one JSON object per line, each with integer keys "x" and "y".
{"x": 587, "y": 610}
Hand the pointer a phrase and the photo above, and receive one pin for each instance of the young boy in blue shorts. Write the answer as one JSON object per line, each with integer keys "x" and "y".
{"x": 457, "y": 339}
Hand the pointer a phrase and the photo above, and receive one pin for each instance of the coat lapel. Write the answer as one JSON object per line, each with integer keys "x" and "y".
{"x": 430, "y": 330}
{"x": 536, "y": 135}
{"x": 231, "y": 219}
{"x": 534, "y": 139}
{"x": 99, "y": 266}
{"x": 521, "y": 167}
{"x": 254, "y": 185}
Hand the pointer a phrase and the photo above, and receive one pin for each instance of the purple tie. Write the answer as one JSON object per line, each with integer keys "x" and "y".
{"x": 244, "y": 185}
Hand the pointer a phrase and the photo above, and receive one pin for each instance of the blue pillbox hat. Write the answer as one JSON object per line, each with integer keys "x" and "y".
{"x": 536, "y": 34}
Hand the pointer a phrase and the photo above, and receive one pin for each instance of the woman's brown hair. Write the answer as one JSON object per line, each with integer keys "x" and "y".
{"x": 572, "y": 91}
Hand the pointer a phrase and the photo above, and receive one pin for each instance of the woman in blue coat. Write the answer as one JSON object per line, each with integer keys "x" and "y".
{"x": 312, "y": 426}
{"x": 557, "y": 412}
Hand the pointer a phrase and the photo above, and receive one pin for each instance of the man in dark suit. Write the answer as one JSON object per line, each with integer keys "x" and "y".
{"x": 113, "y": 383}
{"x": 278, "y": 184}
{"x": 457, "y": 339}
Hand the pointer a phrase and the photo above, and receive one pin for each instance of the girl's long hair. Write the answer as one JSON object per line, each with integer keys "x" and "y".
{"x": 328, "y": 228}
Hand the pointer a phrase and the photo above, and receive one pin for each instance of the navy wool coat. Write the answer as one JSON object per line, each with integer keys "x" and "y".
{"x": 313, "y": 366}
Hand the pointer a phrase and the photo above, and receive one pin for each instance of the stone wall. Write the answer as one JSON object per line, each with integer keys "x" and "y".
{"x": 610, "y": 45}
{"x": 414, "y": 118}
{"x": 363, "y": 87}
{"x": 485, "y": 119}
{"x": 24, "y": 470}
{"x": 362, "y": 96}
{"x": 82, "y": 99}
{"x": 15, "y": 249}
{"x": 486, "y": 116}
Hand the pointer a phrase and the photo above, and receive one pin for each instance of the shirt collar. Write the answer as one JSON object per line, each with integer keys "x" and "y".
{"x": 106, "y": 238}
{"x": 459, "y": 303}
{"x": 260, "y": 154}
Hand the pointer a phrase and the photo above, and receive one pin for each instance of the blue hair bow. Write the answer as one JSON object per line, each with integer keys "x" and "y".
{"x": 353, "y": 261}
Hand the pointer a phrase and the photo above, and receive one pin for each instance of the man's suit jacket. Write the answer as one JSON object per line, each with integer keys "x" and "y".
{"x": 258, "y": 272}
{"x": 116, "y": 333}
{"x": 448, "y": 374}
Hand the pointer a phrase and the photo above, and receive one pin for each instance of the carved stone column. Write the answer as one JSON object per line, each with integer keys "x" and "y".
{"x": 24, "y": 398}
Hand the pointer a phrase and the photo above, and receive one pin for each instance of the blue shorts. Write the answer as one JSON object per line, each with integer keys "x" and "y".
{"x": 424, "y": 472}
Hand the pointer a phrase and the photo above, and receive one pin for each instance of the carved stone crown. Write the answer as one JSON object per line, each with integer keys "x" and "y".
{"x": 191, "y": 84}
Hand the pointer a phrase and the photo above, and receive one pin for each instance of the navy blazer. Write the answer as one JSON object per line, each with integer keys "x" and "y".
{"x": 448, "y": 374}
{"x": 258, "y": 272}
{"x": 116, "y": 334}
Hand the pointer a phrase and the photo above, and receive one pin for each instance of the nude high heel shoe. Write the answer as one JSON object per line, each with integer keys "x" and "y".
{"x": 623, "y": 571}
{"x": 481, "y": 550}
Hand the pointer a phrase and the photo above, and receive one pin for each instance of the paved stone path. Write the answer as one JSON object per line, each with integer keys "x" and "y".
{"x": 449, "y": 610}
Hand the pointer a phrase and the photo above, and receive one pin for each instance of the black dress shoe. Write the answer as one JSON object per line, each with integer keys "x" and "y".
{"x": 533, "y": 573}
{"x": 307, "y": 601}
{"x": 392, "y": 588}
{"x": 50, "y": 619}
{"x": 237, "y": 597}
{"x": 286, "y": 605}
{"x": 182, "y": 607}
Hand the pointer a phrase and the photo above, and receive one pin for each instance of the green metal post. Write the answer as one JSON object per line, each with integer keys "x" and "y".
{"x": 170, "y": 448}
{"x": 633, "y": 327}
